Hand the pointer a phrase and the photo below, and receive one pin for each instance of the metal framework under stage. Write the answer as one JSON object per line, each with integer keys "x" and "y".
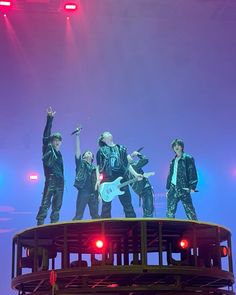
{"x": 139, "y": 256}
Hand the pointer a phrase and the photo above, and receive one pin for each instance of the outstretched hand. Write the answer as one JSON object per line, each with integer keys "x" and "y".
{"x": 135, "y": 154}
{"x": 78, "y": 129}
{"x": 50, "y": 112}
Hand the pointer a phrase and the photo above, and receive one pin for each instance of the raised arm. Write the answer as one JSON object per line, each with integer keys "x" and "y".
{"x": 78, "y": 159}
{"x": 128, "y": 166}
{"x": 142, "y": 159}
{"x": 77, "y": 144}
{"x": 47, "y": 129}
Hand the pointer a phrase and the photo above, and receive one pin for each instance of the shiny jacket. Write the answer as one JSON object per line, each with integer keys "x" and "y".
{"x": 186, "y": 173}
{"x": 52, "y": 159}
{"x": 138, "y": 186}
{"x": 103, "y": 161}
{"x": 85, "y": 175}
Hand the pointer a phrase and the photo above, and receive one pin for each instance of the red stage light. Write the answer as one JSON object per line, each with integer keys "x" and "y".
{"x": 33, "y": 177}
{"x": 184, "y": 244}
{"x": 99, "y": 244}
{"x": 5, "y": 3}
{"x": 224, "y": 251}
{"x": 53, "y": 277}
{"x": 101, "y": 176}
{"x": 113, "y": 285}
{"x": 70, "y": 7}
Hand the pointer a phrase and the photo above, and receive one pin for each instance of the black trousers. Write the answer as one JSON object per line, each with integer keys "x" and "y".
{"x": 125, "y": 200}
{"x": 174, "y": 196}
{"x": 147, "y": 199}
{"x": 52, "y": 195}
{"x": 84, "y": 198}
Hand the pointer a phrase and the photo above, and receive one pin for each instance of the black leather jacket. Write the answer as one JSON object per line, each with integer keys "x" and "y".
{"x": 85, "y": 175}
{"x": 138, "y": 186}
{"x": 186, "y": 173}
{"x": 103, "y": 161}
{"x": 52, "y": 159}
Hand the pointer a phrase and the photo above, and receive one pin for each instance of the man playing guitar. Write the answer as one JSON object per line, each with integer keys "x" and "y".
{"x": 112, "y": 163}
{"x": 142, "y": 188}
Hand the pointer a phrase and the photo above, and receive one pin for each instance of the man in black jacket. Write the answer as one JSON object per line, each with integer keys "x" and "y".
{"x": 181, "y": 182}
{"x": 85, "y": 182}
{"x": 53, "y": 171}
{"x": 143, "y": 187}
{"x": 112, "y": 163}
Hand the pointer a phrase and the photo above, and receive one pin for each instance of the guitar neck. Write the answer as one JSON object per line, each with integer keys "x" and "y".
{"x": 127, "y": 182}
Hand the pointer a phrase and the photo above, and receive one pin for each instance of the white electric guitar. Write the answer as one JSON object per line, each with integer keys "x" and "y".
{"x": 108, "y": 190}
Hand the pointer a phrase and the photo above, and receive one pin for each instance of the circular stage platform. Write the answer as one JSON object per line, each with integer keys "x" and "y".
{"x": 123, "y": 256}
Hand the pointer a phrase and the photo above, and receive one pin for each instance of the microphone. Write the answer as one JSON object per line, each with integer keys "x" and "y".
{"x": 76, "y": 130}
{"x": 139, "y": 150}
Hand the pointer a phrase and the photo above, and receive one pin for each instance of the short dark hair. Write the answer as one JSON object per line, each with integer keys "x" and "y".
{"x": 100, "y": 140}
{"x": 177, "y": 141}
{"x": 56, "y": 135}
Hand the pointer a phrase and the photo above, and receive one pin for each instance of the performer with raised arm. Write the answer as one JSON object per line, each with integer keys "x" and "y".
{"x": 181, "y": 182}
{"x": 113, "y": 163}
{"x": 85, "y": 181}
{"x": 143, "y": 187}
{"x": 53, "y": 171}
